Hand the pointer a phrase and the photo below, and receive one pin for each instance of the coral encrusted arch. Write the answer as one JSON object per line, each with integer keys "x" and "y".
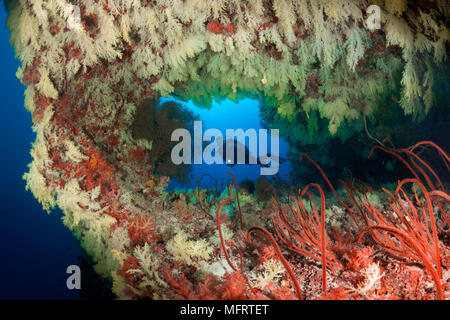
{"x": 87, "y": 74}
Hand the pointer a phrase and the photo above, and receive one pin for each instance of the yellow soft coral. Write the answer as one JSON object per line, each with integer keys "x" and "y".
{"x": 185, "y": 250}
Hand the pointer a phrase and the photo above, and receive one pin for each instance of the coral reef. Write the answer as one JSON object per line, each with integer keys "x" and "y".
{"x": 92, "y": 81}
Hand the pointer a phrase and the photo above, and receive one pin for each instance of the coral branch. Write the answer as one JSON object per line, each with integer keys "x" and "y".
{"x": 417, "y": 249}
{"x": 331, "y": 186}
{"x": 283, "y": 260}
{"x": 237, "y": 198}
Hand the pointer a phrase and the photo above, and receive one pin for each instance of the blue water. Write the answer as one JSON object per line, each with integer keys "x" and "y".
{"x": 35, "y": 247}
{"x": 222, "y": 116}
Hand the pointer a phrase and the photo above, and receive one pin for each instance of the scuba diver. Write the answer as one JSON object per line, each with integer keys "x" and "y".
{"x": 235, "y": 157}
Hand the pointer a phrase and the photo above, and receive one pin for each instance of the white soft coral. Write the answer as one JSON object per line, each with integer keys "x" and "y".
{"x": 372, "y": 275}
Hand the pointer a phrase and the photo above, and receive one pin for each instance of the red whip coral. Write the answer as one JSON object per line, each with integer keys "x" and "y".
{"x": 412, "y": 229}
{"x": 304, "y": 231}
{"x": 280, "y": 256}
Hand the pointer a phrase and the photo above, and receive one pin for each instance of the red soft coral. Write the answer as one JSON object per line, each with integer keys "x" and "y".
{"x": 334, "y": 294}
{"x": 268, "y": 253}
{"x": 131, "y": 278}
{"x": 182, "y": 286}
{"x": 141, "y": 230}
{"x": 360, "y": 258}
{"x": 234, "y": 287}
{"x": 229, "y": 29}
{"x": 283, "y": 294}
{"x": 215, "y": 27}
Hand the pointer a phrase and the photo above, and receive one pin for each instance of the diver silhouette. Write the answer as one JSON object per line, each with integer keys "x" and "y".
{"x": 239, "y": 148}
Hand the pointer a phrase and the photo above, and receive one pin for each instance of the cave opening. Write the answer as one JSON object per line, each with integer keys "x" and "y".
{"x": 157, "y": 119}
